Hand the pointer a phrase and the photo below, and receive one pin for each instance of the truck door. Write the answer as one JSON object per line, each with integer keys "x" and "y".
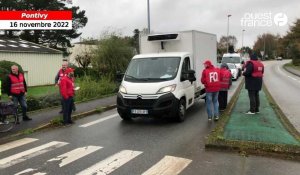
{"x": 187, "y": 86}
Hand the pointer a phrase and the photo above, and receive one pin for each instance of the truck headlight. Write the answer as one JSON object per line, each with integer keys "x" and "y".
{"x": 166, "y": 89}
{"x": 122, "y": 89}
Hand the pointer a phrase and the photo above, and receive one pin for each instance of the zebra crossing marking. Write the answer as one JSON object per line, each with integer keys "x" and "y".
{"x": 75, "y": 154}
{"x": 22, "y": 156}
{"x": 98, "y": 121}
{"x": 169, "y": 165}
{"x": 16, "y": 143}
{"x": 111, "y": 163}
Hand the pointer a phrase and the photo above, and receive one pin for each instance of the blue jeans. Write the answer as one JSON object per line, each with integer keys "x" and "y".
{"x": 212, "y": 102}
{"x": 22, "y": 100}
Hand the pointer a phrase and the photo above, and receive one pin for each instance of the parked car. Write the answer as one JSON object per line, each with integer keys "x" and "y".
{"x": 279, "y": 58}
{"x": 234, "y": 71}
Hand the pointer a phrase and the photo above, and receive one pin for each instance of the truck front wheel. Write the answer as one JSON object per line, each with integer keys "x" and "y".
{"x": 125, "y": 117}
{"x": 180, "y": 113}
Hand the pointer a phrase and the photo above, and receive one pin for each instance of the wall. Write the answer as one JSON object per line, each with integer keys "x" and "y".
{"x": 40, "y": 69}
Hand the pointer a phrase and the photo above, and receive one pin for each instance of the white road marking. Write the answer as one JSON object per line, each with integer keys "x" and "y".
{"x": 98, "y": 121}
{"x": 111, "y": 163}
{"x": 26, "y": 171}
{"x": 169, "y": 165}
{"x": 39, "y": 173}
{"x": 75, "y": 154}
{"x": 16, "y": 143}
{"x": 22, "y": 156}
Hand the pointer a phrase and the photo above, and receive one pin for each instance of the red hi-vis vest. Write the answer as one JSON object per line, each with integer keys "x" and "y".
{"x": 258, "y": 68}
{"x": 225, "y": 76}
{"x": 211, "y": 79}
{"x": 17, "y": 85}
{"x": 61, "y": 74}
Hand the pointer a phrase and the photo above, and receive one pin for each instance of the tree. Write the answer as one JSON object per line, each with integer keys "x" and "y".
{"x": 112, "y": 54}
{"x": 58, "y": 39}
{"x": 222, "y": 44}
{"x": 268, "y": 43}
{"x": 292, "y": 43}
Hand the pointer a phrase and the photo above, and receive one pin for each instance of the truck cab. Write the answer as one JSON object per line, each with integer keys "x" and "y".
{"x": 164, "y": 80}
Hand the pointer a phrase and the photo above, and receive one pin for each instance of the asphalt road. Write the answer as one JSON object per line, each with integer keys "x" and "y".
{"x": 285, "y": 89}
{"x": 104, "y": 144}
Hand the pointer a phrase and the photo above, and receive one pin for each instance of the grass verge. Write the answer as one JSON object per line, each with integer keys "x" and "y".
{"x": 216, "y": 138}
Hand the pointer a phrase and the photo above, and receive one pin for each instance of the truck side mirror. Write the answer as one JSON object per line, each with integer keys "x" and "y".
{"x": 119, "y": 76}
{"x": 188, "y": 75}
{"x": 191, "y": 75}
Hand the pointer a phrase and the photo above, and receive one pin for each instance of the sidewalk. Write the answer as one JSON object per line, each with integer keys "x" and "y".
{"x": 45, "y": 116}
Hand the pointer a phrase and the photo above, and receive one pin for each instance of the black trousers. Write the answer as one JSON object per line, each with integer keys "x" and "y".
{"x": 223, "y": 95}
{"x": 67, "y": 106}
{"x": 254, "y": 100}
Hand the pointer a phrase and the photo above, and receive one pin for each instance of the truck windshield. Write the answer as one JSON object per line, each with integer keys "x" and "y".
{"x": 152, "y": 69}
{"x": 231, "y": 60}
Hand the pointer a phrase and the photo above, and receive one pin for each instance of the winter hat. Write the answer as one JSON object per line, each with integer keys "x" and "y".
{"x": 253, "y": 56}
{"x": 69, "y": 70}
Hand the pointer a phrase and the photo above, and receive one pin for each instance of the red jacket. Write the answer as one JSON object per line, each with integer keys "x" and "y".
{"x": 66, "y": 87}
{"x": 225, "y": 76}
{"x": 211, "y": 79}
{"x": 17, "y": 84}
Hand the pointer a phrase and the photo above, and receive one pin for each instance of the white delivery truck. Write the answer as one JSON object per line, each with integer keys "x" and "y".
{"x": 164, "y": 80}
{"x": 234, "y": 58}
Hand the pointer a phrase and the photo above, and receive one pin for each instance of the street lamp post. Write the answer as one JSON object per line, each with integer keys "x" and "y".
{"x": 243, "y": 38}
{"x": 228, "y": 31}
{"x": 148, "y": 9}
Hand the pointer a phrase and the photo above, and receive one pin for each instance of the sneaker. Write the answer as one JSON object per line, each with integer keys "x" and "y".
{"x": 216, "y": 118}
{"x": 209, "y": 119}
{"x": 250, "y": 113}
{"x": 257, "y": 112}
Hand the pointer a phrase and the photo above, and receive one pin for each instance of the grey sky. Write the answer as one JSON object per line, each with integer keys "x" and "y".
{"x": 178, "y": 15}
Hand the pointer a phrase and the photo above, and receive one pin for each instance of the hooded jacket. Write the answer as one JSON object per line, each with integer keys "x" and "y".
{"x": 211, "y": 78}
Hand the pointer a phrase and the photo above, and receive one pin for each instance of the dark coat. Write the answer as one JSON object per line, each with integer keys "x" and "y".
{"x": 252, "y": 83}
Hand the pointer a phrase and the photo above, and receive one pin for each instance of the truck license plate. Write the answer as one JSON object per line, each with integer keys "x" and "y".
{"x": 139, "y": 111}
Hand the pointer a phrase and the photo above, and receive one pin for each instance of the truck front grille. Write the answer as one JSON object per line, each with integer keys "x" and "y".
{"x": 139, "y": 102}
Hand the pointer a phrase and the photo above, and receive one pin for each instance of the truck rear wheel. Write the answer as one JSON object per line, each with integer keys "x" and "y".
{"x": 125, "y": 117}
{"x": 180, "y": 113}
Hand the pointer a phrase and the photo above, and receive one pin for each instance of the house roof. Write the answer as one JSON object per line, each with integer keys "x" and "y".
{"x": 22, "y": 46}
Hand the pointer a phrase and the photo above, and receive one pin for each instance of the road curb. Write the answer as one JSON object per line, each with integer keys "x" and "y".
{"x": 290, "y": 70}
{"x": 51, "y": 125}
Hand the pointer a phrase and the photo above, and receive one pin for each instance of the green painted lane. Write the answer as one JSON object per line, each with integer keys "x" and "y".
{"x": 263, "y": 127}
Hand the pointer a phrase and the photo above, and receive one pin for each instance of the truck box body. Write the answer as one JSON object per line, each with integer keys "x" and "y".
{"x": 201, "y": 45}
{"x": 165, "y": 78}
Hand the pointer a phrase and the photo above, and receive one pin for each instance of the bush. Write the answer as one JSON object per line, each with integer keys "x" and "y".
{"x": 33, "y": 103}
{"x": 90, "y": 88}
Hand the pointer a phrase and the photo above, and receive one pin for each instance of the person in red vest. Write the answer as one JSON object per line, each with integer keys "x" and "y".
{"x": 61, "y": 73}
{"x": 67, "y": 91}
{"x": 225, "y": 81}
{"x": 254, "y": 70}
{"x": 17, "y": 90}
{"x": 211, "y": 80}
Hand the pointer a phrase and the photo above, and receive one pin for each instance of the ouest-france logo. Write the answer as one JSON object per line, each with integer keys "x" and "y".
{"x": 264, "y": 19}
